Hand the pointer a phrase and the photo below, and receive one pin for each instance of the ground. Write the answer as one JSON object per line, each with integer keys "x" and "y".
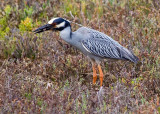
{"x": 40, "y": 73}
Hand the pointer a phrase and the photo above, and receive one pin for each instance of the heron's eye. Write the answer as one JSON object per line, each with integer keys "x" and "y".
{"x": 54, "y": 24}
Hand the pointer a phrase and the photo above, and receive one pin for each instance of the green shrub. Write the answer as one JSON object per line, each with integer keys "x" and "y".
{"x": 4, "y": 28}
{"x": 26, "y": 25}
{"x": 8, "y": 10}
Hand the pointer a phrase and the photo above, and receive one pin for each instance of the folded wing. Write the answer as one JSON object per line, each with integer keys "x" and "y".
{"x": 108, "y": 49}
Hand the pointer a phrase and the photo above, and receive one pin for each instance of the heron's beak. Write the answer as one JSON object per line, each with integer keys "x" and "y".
{"x": 43, "y": 28}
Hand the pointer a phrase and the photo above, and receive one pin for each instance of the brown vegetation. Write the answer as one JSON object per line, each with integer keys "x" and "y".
{"x": 42, "y": 74}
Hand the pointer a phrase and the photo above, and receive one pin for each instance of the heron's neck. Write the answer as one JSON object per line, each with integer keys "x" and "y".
{"x": 66, "y": 34}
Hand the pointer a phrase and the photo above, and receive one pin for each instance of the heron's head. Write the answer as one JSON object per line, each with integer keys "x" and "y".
{"x": 56, "y": 24}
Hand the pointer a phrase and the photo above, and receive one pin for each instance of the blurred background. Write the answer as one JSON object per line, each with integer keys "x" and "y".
{"x": 40, "y": 73}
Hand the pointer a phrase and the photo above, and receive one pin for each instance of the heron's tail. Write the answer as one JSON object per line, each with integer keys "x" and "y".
{"x": 127, "y": 55}
{"x": 134, "y": 59}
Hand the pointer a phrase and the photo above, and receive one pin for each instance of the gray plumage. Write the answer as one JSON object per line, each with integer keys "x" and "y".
{"x": 96, "y": 45}
{"x": 102, "y": 45}
{"x": 92, "y": 43}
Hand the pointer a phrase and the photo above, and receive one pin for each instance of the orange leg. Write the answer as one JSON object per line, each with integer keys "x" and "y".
{"x": 100, "y": 74}
{"x": 94, "y": 74}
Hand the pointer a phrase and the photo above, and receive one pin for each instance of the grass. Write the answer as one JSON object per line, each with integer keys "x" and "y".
{"x": 40, "y": 73}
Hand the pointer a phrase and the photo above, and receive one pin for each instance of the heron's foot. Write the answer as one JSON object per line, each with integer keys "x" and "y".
{"x": 100, "y": 75}
{"x": 101, "y": 81}
{"x": 94, "y": 79}
{"x": 94, "y": 74}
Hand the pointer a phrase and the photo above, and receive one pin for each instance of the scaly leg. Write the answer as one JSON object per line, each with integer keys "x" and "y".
{"x": 94, "y": 73}
{"x": 100, "y": 74}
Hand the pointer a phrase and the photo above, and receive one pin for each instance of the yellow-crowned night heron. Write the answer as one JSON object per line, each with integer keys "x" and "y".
{"x": 94, "y": 44}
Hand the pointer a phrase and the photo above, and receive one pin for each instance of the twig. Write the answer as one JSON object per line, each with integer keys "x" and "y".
{"x": 75, "y": 23}
{"x": 71, "y": 14}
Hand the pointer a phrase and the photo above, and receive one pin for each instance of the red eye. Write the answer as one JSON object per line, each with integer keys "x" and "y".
{"x": 54, "y": 24}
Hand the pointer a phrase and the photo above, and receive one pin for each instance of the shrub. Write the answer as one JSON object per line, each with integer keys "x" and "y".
{"x": 26, "y": 25}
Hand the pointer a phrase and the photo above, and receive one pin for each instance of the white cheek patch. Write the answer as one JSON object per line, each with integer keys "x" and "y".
{"x": 51, "y": 21}
{"x": 61, "y": 25}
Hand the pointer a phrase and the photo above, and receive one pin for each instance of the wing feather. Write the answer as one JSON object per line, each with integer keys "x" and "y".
{"x": 102, "y": 45}
{"x": 101, "y": 48}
